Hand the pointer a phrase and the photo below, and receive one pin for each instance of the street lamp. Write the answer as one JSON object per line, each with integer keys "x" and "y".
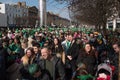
{"x": 7, "y": 22}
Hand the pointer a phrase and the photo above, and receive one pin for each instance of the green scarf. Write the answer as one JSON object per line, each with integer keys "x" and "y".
{"x": 85, "y": 77}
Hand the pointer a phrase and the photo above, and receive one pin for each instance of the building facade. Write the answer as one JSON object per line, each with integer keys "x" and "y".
{"x": 113, "y": 24}
{"x": 16, "y": 13}
{"x": 20, "y": 15}
{"x": 3, "y": 20}
{"x": 33, "y": 16}
{"x": 54, "y": 19}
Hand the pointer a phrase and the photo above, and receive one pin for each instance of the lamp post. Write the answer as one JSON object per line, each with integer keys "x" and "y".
{"x": 7, "y": 22}
{"x": 42, "y": 12}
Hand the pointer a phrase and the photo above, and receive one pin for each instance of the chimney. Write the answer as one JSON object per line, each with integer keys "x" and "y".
{"x": 19, "y": 4}
{"x": 24, "y": 4}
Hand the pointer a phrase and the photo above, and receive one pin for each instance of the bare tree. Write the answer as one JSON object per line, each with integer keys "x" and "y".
{"x": 94, "y": 12}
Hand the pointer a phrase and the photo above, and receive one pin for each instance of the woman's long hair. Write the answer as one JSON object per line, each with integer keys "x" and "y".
{"x": 59, "y": 46}
{"x": 28, "y": 60}
{"x": 91, "y": 52}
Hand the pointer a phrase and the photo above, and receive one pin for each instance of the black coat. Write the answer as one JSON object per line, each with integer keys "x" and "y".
{"x": 58, "y": 70}
{"x": 73, "y": 51}
{"x": 3, "y": 60}
{"x": 88, "y": 60}
{"x": 25, "y": 73}
{"x": 116, "y": 62}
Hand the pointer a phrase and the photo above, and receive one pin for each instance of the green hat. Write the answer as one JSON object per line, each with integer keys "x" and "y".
{"x": 65, "y": 29}
{"x": 32, "y": 32}
{"x": 38, "y": 29}
{"x": 75, "y": 29}
{"x": 50, "y": 29}
{"x": 16, "y": 31}
{"x": 24, "y": 31}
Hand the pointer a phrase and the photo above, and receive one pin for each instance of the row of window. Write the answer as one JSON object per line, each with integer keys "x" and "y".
{"x": 15, "y": 9}
{"x": 16, "y": 15}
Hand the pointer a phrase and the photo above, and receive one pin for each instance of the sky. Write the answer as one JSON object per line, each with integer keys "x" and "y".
{"x": 52, "y": 6}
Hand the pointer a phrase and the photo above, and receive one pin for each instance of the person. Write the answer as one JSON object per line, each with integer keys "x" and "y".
{"x": 16, "y": 48}
{"x": 116, "y": 47}
{"x": 47, "y": 43}
{"x": 3, "y": 53}
{"x": 36, "y": 48}
{"x": 92, "y": 39}
{"x": 31, "y": 70}
{"x": 26, "y": 61}
{"x": 9, "y": 35}
{"x": 24, "y": 45}
{"x": 65, "y": 44}
{"x": 57, "y": 48}
{"x": 88, "y": 57}
{"x": 39, "y": 38}
{"x": 73, "y": 52}
{"x": 52, "y": 65}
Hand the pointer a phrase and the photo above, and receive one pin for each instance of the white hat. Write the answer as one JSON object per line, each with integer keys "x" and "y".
{"x": 9, "y": 31}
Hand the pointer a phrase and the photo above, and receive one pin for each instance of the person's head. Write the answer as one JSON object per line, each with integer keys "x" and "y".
{"x": 47, "y": 43}
{"x": 116, "y": 47}
{"x": 36, "y": 47}
{"x": 70, "y": 37}
{"x": 78, "y": 40}
{"x": 46, "y": 52}
{"x": 75, "y": 33}
{"x": 17, "y": 40}
{"x": 88, "y": 47}
{"x": 56, "y": 41}
{"x": 66, "y": 37}
{"x": 36, "y": 33}
{"x": 91, "y": 35}
{"x": 85, "y": 38}
{"x": 39, "y": 37}
{"x": 24, "y": 45}
{"x": 9, "y": 32}
{"x": 10, "y": 41}
{"x": 5, "y": 42}
{"x": 96, "y": 34}
{"x": 29, "y": 52}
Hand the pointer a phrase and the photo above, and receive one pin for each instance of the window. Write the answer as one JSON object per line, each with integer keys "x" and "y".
{"x": 118, "y": 25}
{"x": 110, "y": 25}
{"x": 10, "y": 15}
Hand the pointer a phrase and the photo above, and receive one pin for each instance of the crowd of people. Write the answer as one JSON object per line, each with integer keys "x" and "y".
{"x": 37, "y": 54}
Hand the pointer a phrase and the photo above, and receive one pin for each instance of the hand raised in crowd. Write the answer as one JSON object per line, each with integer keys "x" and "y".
{"x": 69, "y": 57}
